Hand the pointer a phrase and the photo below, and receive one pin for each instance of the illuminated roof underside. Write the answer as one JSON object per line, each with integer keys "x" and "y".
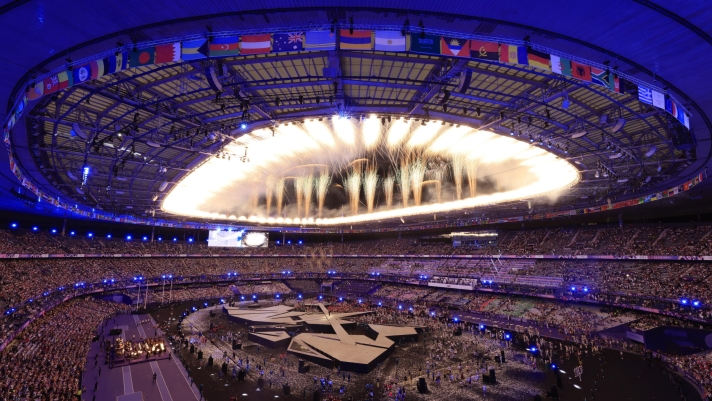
{"x": 347, "y": 170}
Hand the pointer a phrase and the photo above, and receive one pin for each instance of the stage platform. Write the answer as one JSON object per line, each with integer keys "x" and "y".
{"x": 134, "y": 381}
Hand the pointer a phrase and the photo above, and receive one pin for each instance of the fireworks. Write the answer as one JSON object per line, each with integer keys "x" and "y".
{"x": 404, "y": 181}
{"x": 458, "y": 165}
{"x": 370, "y": 182}
{"x": 417, "y": 171}
{"x": 299, "y": 191}
{"x": 353, "y": 152}
{"x": 471, "y": 167}
{"x": 279, "y": 194}
{"x": 307, "y": 191}
{"x": 352, "y": 185}
{"x": 388, "y": 184}
{"x": 322, "y": 187}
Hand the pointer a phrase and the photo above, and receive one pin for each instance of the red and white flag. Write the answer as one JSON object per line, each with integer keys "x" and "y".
{"x": 255, "y": 44}
{"x": 168, "y": 53}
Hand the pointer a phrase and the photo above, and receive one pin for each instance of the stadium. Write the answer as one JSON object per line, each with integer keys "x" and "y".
{"x": 355, "y": 201}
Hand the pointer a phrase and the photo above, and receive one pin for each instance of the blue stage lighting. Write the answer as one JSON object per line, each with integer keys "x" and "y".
{"x": 254, "y": 296}
{"x": 175, "y": 239}
{"x": 359, "y": 301}
{"x": 54, "y": 231}
{"x": 190, "y": 239}
{"x": 128, "y": 238}
{"x": 585, "y": 289}
{"x": 160, "y": 239}
{"x": 243, "y": 126}
{"x": 321, "y": 297}
{"x": 400, "y": 306}
{"x": 277, "y": 295}
{"x": 299, "y": 296}
{"x": 695, "y": 303}
{"x": 145, "y": 238}
{"x": 300, "y": 242}
{"x": 341, "y": 299}
{"x": 72, "y": 233}
{"x": 108, "y": 236}
{"x": 90, "y": 235}
{"x": 455, "y": 319}
{"x": 573, "y": 288}
{"x": 13, "y": 225}
{"x": 379, "y": 303}
{"x": 507, "y": 336}
{"x": 35, "y": 228}
{"x": 242, "y": 297}
{"x": 684, "y": 301}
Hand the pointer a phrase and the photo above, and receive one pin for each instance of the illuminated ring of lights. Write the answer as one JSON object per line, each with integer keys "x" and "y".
{"x": 228, "y": 186}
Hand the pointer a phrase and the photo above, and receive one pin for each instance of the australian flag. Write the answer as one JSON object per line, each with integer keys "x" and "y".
{"x": 288, "y": 42}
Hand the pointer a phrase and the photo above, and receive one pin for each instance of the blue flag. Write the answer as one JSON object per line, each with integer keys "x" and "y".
{"x": 288, "y": 42}
{"x": 320, "y": 40}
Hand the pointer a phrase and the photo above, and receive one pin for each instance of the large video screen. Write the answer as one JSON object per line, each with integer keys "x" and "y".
{"x": 238, "y": 239}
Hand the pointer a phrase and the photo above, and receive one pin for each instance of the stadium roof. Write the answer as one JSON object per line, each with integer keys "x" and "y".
{"x": 142, "y": 127}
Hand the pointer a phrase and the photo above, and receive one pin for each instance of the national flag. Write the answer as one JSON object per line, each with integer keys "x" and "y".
{"x": 320, "y": 40}
{"x": 671, "y": 106}
{"x": 645, "y": 95}
{"x": 560, "y": 65}
{"x": 513, "y": 54}
{"x": 390, "y": 41}
{"x": 97, "y": 69}
{"x": 454, "y": 47}
{"x": 420, "y": 43}
{"x": 81, "y": 74}
{"x": 625, "y": 86}
{"x": 256, "y": 44}
{"x": 116, "y": 63}
{"x": 287, "y": 42}
{"x": 50, "y": 84}
{"x": 484, "y": 50}
{"x": 225, "y": 46}
{"x": 168, "y": 53}
{"x": 538, "y": 59}
{"x": 358, "y": 40}
{"x": 599, "y": 77}
{"x": 659, "y": 99}
{"x": 65, "y": 80}
{"x": 36, "y": 91}
{"x": 614, "y": 82}
{"x": 139, "y": 57}
{"x": 194, "y": 49}
{"x": 581, "y": 71}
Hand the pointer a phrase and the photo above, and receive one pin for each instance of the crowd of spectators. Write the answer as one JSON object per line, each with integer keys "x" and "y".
{"x": 45, "y": 361}
{"x": 690, "y": 240}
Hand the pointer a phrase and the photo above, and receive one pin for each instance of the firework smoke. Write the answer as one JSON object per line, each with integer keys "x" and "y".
{"x": 269, "y": 184}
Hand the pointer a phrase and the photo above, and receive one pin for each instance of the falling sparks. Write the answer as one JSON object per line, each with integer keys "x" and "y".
{"x": 388, "y": 184}
{"x": 417, "y": 172}
{"x": 307, "y": 191}
{"x": 458, "y": 165}
{"x": 370, "y": 182}
{"x": 279, "y": 195}
{"x": 322, "y": 187}
{"x": 472, "y": 176}
{"x": 299, "y": 191}
{"x": 404, "y": 181}
{"x": 352, "y": 185}
{"x": 268, "y": 194}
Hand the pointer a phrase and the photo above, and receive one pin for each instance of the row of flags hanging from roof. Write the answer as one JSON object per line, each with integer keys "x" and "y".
{"x": 346, "y": 39}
